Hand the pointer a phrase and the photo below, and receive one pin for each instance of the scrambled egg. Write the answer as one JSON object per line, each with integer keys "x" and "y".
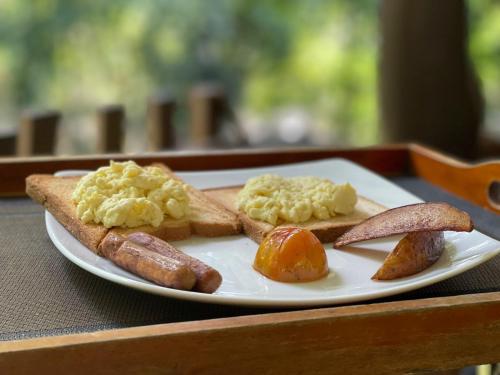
{"x": 126, "y": 195}
{"x": 272, "y": 198}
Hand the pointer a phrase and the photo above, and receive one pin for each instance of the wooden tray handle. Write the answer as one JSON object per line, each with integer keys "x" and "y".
{"x": 479, "y": 183}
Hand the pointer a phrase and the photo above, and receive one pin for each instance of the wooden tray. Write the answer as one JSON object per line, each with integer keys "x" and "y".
{"x": 393, "y": 337}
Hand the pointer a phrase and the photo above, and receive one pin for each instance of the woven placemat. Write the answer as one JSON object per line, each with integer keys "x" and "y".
{"x": 42, "y": 293}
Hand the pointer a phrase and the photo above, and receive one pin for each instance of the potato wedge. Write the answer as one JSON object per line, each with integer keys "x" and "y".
{"x": 418, "y": 217}
{"x": 424, "y": 242}
{"x": 414, "y": 253}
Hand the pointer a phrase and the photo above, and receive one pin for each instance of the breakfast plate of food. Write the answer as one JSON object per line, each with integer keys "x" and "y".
{"x": 305, "y": 234}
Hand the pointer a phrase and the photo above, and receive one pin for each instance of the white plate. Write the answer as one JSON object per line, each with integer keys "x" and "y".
{"x": 350, "y": 269}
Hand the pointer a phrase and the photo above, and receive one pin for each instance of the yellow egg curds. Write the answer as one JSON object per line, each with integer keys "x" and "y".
{"x": 127, "y": 195}
{"x": 273, "y": 198}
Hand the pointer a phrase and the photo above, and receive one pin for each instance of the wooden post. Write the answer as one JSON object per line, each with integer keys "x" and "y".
{"x": 161, "y": 131}
{"x": 428, "y": 89}
{"x": 206, "y": 109}
{"x": 8, "y": 143}
{"x": 37, "y": 133}
{"x": 110, "y": 121}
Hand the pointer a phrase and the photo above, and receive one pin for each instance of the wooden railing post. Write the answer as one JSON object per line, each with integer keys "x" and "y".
{"x": 8, "y": 143}
{"x": 428, "y": 89}
{"x": 110, "y": 123}
{"x": 37, "y": 133}
{"x": 206, "y": 110}
{"x": 161, "y": 131}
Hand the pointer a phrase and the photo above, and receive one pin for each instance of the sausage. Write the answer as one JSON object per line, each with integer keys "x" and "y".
{"x": 110, "y": 244}
{"x": 150, "y": 265}
{"x": 207, "y": 278}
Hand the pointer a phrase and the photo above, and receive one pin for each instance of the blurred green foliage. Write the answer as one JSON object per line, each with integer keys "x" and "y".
{"x": 316, "y": 55}
{"x": 74, "y": 55}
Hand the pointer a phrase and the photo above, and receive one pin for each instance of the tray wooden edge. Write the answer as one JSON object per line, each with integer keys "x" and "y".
{"x": 393, "y": 337}
{"x": 386, "y": 160}
{"x": 472, "y": 182}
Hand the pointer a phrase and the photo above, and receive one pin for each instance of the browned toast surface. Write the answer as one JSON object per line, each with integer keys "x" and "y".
{"x": 325, "y": 230}
{"x": 54, "y": 193}
{"x": 203, "y": 209}
{"x": 206, "y": 218}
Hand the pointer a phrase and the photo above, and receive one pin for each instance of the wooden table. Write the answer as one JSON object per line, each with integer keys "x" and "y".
{"x": 389, "y": 337}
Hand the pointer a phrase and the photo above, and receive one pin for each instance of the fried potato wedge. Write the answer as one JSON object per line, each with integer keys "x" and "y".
{"x": 414, "y": 253}
{"x": 418, "y": 217}
{"x": 424, "y": 224}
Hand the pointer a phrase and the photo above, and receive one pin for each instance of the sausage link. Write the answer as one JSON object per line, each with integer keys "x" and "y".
{"x": 207, "y": 278}
{"x": 150, "y": 265}
{"x": 110, "y": 244}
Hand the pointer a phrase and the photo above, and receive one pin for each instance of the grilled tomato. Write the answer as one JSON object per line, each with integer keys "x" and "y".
{"x": 291, "y": 254}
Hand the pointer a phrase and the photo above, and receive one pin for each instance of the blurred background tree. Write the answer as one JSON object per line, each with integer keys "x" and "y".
{"x": 309, "y": 66}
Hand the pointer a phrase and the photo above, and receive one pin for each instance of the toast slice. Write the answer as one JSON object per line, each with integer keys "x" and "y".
{"x": 203, "y": 210}
{"x": 54, "y": 193}
{"x": 325, "y": 230}
{"x": 207, "y": 218}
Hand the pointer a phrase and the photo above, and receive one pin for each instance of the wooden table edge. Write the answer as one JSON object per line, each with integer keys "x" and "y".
{"x": 414, "y": 335}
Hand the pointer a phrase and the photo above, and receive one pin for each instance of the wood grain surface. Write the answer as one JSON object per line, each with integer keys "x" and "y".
{"x": 161, "y": 128}
{"x": 386, "y": 160}
{"x": 419, "y": 100}
{"x": 384, "y": 338}
{"x": 8, "y": 141}
{"x": 37, "y": 133}
{"x": 475, "y": 183}
{"x": 110, "y": 128}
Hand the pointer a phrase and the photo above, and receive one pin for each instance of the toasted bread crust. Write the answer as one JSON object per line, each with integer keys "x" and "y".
{"x": 326, "y": 231}
{"x": 169, "y": 230}
{"x": 253, "y": 229}
{"x": 54, "y": 193}
{"x": 203, "y": 210}
{"x": 207, "y": 218}
{"x": 34, "y": 188}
